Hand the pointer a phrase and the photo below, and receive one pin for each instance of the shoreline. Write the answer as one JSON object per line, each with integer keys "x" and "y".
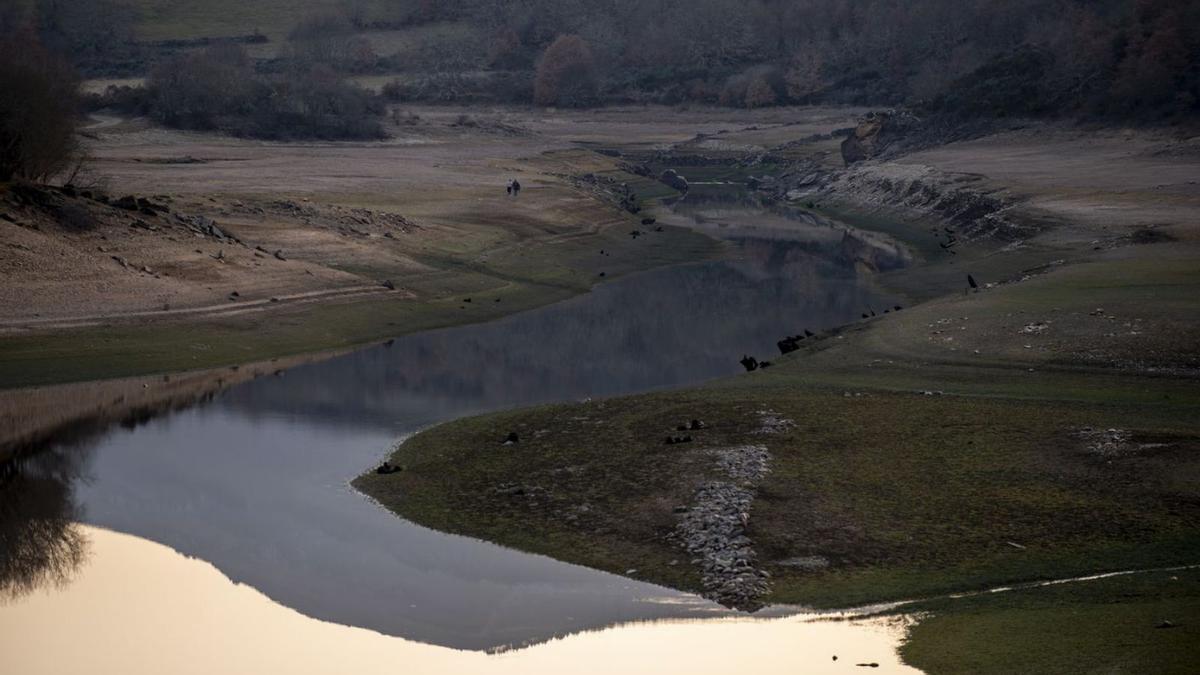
{"x": 1040, "y": 370}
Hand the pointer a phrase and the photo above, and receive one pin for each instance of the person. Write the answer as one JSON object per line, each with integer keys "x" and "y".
{"x": 516, "y": 187}
{"x": 509, "y": 188}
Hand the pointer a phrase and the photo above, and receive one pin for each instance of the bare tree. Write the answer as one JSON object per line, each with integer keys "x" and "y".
{"x": 38, "y": 110}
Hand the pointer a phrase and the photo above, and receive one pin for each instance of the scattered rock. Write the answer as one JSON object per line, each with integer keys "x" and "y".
{"x": 713, "y": 529}
{"x": 771, "y": 422}
{"x": 128, "y": 202}
{"x": 387, "y": 468}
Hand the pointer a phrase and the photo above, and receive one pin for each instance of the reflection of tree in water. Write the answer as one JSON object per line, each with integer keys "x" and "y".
{"x": 40, "y": 542}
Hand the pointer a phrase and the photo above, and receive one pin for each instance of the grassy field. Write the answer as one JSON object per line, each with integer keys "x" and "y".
{"x": 1103, "y": 626}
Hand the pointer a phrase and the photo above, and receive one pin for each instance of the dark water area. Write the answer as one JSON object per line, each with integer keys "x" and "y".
{"x": 255, "y": 480}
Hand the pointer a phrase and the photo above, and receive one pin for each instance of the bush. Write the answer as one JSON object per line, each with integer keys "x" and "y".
{"x": 495, "y": 87}
{"x": 566, "y": 74}
{"x": 217, "y": 89}
{"x": 329, "y": 39}
{"x": 38, "y": 110}
{"x": 1011, "y": 85}
{"x": 760, "y": 93}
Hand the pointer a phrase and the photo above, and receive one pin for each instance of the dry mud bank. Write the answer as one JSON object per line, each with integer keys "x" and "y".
{"x": 233, "y": 251}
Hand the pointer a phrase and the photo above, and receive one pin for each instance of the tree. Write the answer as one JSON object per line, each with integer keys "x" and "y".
{"x": 760, "y": 93}
{"x": 566, "y": 74}
{"x": 38, "y": 110}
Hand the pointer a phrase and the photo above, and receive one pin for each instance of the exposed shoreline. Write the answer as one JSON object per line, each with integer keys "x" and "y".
{"x": 1021, "y": 366}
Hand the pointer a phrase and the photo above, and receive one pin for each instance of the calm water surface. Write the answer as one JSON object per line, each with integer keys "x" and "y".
{"x": 254, "y": 482}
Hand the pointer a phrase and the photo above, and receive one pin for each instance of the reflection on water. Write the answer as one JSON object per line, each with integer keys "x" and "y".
{"x": 40, "y": 542}
{"x": 141, "y": 608}
{"x": 255, "y": 480}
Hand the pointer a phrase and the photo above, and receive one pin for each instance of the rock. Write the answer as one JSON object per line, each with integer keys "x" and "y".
{"x": 128, "y": 202}
{"x": 875, "y": 133}
{"x": 749, "y": 363}
{"x": 512, "y": 438}
{"x": 674, "y": 180}
{"x": 1165, "y": 624}
{"x": 648, "y": 221}
{"x": 279, "y": 254}
{"x": 386, "y": 468}
{"x": 387, "y": 283}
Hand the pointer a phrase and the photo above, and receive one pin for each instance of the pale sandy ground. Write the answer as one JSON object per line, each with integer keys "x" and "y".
{"x": 447, "y": 181}
{"x": 1119, "y": 179}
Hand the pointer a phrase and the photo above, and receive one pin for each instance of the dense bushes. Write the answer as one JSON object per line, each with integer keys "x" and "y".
{"x": 566, "y": 74}
{"x": 218, "y": 89}
{"x": 38, "y": 110}
{"x": 451, "y": 87}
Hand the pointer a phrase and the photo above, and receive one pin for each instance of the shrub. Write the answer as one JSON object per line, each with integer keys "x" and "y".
{"x": 38, "y": 110}
{"x": 217, "y": 89}
{"x": 566, "y": 74}
{"x": 329, "y": 39}
{"x": 760, "y": 93}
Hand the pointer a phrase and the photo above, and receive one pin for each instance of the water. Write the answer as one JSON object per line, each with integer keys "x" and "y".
{"x": 255, "y": 480}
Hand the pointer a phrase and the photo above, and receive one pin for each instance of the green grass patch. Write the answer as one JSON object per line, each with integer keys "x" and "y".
{"x": 1102, "y": 626}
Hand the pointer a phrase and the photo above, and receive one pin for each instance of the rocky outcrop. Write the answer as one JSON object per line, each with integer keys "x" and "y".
{"x": 673, "y": 180}
{"x": 875, "y": 133}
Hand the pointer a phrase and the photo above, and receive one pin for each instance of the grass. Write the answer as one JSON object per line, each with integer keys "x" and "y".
{"x": 184, "y": 19}
{"x": 1102, "y": 626}
{"x": 842, "y": 487}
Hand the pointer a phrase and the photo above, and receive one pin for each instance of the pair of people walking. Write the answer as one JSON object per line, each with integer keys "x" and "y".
{"x": 513, "y": 188}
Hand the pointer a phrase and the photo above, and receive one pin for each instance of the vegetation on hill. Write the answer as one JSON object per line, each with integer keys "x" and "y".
{"x": 1126, "y": 59}
{"x": 37, "y": 110}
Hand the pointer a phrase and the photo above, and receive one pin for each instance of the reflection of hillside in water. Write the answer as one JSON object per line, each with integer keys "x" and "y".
{"x": 667, "y": 327}
{"x": 40, "y": 543}
{"x": 254, "y": 481}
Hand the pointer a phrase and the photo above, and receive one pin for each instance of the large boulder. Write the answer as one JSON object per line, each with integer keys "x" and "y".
{"x": 674, "y": 180}
{"x": 874, "y": 134}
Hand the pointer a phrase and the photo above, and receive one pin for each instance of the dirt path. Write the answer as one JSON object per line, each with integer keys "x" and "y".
{"x": 206, "y": 312}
